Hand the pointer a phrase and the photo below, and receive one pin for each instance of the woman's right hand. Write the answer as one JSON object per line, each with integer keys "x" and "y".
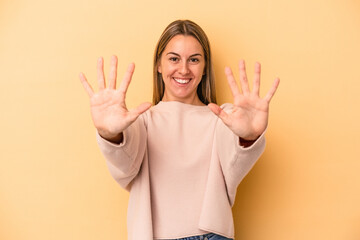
{"x": 108, "y": 109}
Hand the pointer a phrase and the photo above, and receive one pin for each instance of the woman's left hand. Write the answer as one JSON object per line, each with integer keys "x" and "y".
{"x": 249, "y": 116}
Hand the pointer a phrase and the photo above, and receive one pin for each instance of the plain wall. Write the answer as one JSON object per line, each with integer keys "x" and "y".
{"x": 54, "y": 183}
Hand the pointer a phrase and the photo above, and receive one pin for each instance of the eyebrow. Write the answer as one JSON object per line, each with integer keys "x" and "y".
{"x": 196, "y": 54}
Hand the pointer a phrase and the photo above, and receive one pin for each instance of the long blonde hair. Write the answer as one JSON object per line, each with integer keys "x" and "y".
{"x": 206, "y": 88}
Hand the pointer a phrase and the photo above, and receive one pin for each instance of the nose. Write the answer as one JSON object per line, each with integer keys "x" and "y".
{"x": 184, "y": 68}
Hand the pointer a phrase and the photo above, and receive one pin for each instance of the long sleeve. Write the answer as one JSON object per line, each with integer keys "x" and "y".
{"x": 124, "y": 160}
{"x": 236, "y": 161}
{"x": 128, "y": 165}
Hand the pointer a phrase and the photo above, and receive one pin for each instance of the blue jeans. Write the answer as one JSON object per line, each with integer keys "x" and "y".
{"x": 208, "y": 236}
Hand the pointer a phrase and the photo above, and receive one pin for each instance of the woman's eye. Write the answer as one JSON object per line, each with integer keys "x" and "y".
{"x": 194, "y": 60}
{"x": 174, "y": 59}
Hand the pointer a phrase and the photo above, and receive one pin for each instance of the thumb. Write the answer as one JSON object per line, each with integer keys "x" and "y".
{"x": 139, "y": 110}
{"x": 142, "y": 107}
{"x": 218, "y": 111}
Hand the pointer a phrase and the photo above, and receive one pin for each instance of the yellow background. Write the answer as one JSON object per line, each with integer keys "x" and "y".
{"x": 54, "y": 183}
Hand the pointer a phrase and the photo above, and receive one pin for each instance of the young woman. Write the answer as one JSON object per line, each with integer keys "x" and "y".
{"x": 183, "y": 158}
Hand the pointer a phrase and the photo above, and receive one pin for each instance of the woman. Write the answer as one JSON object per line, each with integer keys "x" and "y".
{"x": 183, "y": 158}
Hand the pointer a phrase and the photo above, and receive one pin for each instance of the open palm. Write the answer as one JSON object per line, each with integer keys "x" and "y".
{"x": 249, "y": 116}
{"x": 108, "y": 109}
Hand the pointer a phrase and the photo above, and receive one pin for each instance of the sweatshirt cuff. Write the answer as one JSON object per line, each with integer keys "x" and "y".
{"x": 259, "y": 141}
{"x": 108, "y": 147}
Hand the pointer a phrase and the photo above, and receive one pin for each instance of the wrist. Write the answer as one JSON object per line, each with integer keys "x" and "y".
{"x": 247, "y": 142}
{"x": 113, "y": 138}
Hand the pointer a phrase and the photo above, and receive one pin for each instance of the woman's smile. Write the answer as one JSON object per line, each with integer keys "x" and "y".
{"x": 182, "y": 80}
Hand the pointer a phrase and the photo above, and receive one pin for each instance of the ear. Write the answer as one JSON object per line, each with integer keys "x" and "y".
{"x": 159, "y": 68}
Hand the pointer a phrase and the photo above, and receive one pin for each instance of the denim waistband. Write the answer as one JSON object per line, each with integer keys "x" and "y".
{"x": 208, "y": 236}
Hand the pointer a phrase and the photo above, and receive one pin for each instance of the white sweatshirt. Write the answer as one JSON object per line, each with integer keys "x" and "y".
{"x": 182, "y": 166}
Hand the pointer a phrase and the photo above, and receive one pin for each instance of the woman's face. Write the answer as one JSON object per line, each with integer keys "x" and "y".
{"x": 182, "y": 65}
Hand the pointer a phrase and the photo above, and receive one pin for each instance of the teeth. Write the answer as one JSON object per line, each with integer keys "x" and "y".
{"x": 182, "y": 81}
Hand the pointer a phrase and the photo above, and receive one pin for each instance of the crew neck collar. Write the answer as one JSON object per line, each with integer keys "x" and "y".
{"x": 177, "y": 104}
